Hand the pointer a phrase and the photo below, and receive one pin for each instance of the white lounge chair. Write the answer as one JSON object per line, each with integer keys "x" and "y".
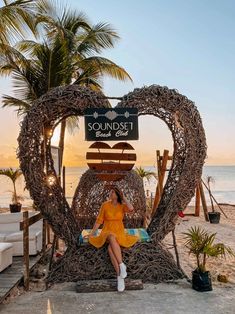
{"x": 10, "y": 233}
{"x": 6, "y": 251}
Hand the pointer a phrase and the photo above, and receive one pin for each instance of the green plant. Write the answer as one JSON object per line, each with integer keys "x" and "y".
{"x": 145, "y": 173}
{"x": 13, "y": 175}
{"x": 201, "y": 244}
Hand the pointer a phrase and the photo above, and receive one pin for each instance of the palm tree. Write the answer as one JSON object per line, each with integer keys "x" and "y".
{"x": 145, "y": 174}
{"x": 69, "y": 54}
{"x": 17, "y": 18}
{"x": 201, "y": 244}
{"x": 13, "y": 175}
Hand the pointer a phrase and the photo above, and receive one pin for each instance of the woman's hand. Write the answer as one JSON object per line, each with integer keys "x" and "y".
{"x": 92, "y": 232}
{"x": 128, "y": 204}
{"x": 87, "y": 236}
{"x": 124, "y": 198}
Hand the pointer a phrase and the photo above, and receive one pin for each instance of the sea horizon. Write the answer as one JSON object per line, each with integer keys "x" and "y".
{"x": 223, "y": 188}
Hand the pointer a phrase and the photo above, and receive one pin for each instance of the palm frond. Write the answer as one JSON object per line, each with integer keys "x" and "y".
{"x": 11, "y": 173}
{"x": 89, "y": 77}
{"x": 104, "y": 66}
{"x": 100, "y": 36}
{"x": 9, "y": 54}
{"x": 27, "y": 46}
{"x": 63, "y": 23}
{"x": 72, "y": 124}
{"x": 17, "y": 18}
{"x": 20, "y": 106}
{"x": 145, "y": 173}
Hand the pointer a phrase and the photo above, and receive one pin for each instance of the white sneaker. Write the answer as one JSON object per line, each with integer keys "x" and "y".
{"x": 123, "y": 272}
{"x": 120, "y": 284}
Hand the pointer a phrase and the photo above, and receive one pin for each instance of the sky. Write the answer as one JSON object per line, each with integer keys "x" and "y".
{"x": 187, "y": 45}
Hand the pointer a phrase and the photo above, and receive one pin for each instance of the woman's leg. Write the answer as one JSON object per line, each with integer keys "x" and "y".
{"x": 116, "y": 258}
{"x": 115, "y": 248}
{"x": 113, "y": 259}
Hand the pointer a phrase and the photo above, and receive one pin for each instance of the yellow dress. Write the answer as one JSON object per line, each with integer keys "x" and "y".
{"x": 111, "y": 217}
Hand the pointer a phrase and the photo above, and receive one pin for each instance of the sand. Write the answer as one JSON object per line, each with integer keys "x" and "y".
{"x": 225, "y": 233}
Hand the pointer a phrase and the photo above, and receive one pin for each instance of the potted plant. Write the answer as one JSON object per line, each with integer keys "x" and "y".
{"x": 201, "y": 244}
{"x": 13, "y": 175}
{"x": 214, "y": 216}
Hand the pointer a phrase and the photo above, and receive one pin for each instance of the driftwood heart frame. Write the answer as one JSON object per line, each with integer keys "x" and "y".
{"x": 147, "y": 261}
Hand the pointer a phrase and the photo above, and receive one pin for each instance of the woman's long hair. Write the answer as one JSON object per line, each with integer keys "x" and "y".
{"x": 118, "y": 193}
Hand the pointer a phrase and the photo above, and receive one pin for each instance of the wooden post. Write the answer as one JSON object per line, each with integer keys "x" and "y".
{"x": 26, "y": 249}
{"x": 161, "y": 164}
{"x": 64, "y": 190}
{"x": 203, "y": 199}
{"x": 157, "y": 194}
{"x": 63, "y": 176}
{"x": 164, "y": 164}
{"x": 197, "y": 201}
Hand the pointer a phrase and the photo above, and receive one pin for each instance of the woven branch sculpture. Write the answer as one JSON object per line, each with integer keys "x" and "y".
{"x": 148, "y": 261}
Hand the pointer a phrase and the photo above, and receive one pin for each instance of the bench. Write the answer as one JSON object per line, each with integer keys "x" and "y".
{"x": 141, "y": 233}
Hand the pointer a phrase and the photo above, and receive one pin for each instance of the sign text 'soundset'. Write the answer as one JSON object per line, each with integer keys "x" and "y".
{"x": 111, "y": 124}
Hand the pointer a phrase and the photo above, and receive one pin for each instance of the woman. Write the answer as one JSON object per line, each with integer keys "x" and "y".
{"x": 111, "y": 215}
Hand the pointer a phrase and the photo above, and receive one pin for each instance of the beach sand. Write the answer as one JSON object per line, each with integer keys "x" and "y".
{"x": 225, "y": 233}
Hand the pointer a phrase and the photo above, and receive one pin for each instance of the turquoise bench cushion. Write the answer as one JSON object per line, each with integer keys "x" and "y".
{"x": 141, "y": 233}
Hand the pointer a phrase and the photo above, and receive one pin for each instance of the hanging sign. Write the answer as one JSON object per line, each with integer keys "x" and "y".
{"x": 111, "y": 124}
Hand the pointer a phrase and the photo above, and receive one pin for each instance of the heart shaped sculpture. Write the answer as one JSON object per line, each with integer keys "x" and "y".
{"x": 147, "y": 261}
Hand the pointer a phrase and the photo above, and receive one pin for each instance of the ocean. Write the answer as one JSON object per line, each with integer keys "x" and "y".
{"x": 223, "y": 187}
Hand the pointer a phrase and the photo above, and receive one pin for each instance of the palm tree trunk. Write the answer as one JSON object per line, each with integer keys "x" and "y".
{"x": 61, "y": 142}
{"x": 14, "y": 193}
{"x": 198, "y": 261}
{"x": 204, "y": 262}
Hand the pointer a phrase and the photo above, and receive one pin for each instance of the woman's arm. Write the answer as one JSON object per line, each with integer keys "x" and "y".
{"x": 129, "y": 206}
{"x": 94, "y": 229}
{"x": 99, "y": 221}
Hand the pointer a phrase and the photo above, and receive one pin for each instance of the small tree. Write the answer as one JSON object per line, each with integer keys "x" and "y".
{"x": 209, "y": 180}
{"x": 13, "y": 175}
{"x": 201, "y": 244}
{"x": 145, "y": 174}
